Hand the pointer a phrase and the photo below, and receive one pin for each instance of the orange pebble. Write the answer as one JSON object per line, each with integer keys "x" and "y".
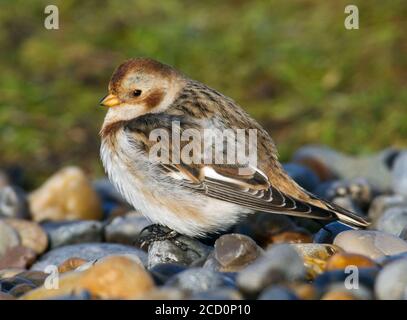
{"x": 341, "y": 260}
{"x": 70, "y": 264}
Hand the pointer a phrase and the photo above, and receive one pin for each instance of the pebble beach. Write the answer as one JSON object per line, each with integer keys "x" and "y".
{"x": 75, "y": 238}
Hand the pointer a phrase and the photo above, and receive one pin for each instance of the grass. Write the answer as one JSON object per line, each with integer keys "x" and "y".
{"x": 291, "y": 64}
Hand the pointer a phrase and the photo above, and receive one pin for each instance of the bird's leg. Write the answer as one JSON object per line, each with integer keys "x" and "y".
{"x": 156, "y": 232}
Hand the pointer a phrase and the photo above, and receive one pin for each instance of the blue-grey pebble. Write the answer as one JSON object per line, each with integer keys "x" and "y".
{"x": 365, "y": 276}
{"x": 163, "y": 271}
{"x": 328, "y": 233}
{"x": 73, "y": 232}
{"x": 218, "y": 294}
{"x": 197, "y": 280}
{"x": 278, "y": 293}
{"x": 280, "y": 263}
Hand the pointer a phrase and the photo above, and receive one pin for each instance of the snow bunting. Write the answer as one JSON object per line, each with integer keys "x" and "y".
{"x": 150, "y": 108}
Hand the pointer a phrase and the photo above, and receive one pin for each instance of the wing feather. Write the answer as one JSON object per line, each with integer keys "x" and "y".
{"x": 254, "y": 192}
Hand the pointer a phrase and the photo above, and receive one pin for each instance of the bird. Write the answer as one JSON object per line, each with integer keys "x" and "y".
{"x": 194, "y": 198}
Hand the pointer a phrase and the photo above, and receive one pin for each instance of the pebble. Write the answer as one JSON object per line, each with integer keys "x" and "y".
{"x": 168, "y": 252}
{"x": 163, "y": 271}
{"x": 219, "y": 294}
{"x": 304, "y": 176}
{"x": 355, "y": 277}
{"x": 315, "y": 256}
{"x": 356, "y": 292}
{"x": 391, "y": 283}
{"x": 298, "y": 235}
{"x": 13, "y": 203}
{"x": 328, "y": 163}
{"x": 35, "y": 277}
{"x": 129, "y": 256}
{"x": 263, "y": 226}
{"x": 21, "y": 289}
{"x": 8, "y": 237}
{"x": 31, "y": 234}
{"x": 21, "y": 283}
{"x": 318, "y": 159}
{"x": 126, "y": 229}
{"x": 164, "y": 293}
{"x": 381, "y": 203}
{"x": 17, "y": 257}
{"x": 328, "y": 233}
{"x": 235, "y": 251}
{"x": 71, "y": 264}
{"x": 338, "y": 295}
{"x": 86, "y": 251}
{"x": 107, "y": 191}
{"x": 114, "y": 278}
{"x": 393, "y": 221}
{"x": 79, "y": 200}
{"x": 72, "y": 232}
{"x": 81, "y": 295}
{"x": 196, "y": 280}
{"x": 358, "y": 191}
{"x": 278, "y": 293}
{"x": 4, "y": 179}
{"x": 373, "y": 244}
{"x": 399, "y": 174}
{"x": 342, "y": 260}
{"x": 10, "y": 272}
{"x": 112, "y": 202}
{"x": 280, "y": 263}
{"x": 316, "y": 250}
{"x": 388, "y": 259}
{"x": 305, "y": 291}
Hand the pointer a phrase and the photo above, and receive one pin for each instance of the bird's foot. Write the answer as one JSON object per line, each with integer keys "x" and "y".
{"x": 156, "y": 232}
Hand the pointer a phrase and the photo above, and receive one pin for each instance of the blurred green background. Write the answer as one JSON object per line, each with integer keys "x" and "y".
{"x": 291, "y": 64}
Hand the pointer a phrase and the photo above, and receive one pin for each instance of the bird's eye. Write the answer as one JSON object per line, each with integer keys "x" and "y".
{"x": 136, "y": 93}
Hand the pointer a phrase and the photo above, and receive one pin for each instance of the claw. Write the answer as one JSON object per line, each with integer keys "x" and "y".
{"x": 160, "y": 233}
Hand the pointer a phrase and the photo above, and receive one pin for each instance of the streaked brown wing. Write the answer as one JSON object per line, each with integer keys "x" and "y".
{"x": 252, "y": 191}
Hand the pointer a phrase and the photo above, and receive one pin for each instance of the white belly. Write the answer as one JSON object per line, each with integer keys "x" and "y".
{"x": 130, "y": 172}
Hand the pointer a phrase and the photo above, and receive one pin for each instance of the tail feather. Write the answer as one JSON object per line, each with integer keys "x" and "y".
{"x": 345, "y": 216}
{"x": 349, "y": 217}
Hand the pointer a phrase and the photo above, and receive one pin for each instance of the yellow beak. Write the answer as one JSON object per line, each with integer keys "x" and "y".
{"x": 110, "y": 101}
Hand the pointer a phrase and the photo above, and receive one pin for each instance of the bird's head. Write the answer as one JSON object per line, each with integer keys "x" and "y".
{"x": 140, "y": 86}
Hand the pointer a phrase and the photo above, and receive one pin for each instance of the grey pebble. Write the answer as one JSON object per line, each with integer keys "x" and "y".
{"x": 168, "y": 252}
{"x": 393, "y": 221}
{"x": 391, "y": 282}
{"x": 13, "y": 203}
{"x": 73, "y": 232}
{"x": 126, "y": 229}
{"x": 281, "y": 263}
{"x": 197, "y": 280}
